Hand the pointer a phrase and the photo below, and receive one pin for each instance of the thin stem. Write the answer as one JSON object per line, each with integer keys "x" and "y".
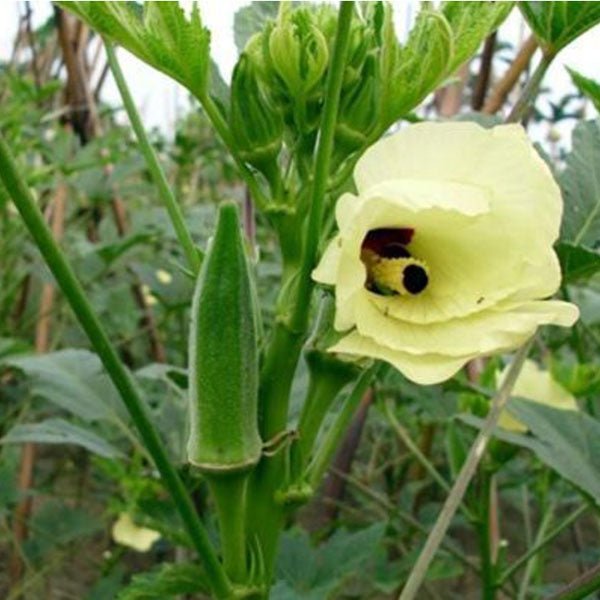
{"x": 581, "y": 587}
{"x": 338, "y": 428}
{"x": 120, "y": 376}
{"x": 220, "y": 124}
{"x": 322, "y": 163}
{"x": 531, "y": 90}
{"x": 535, "y": 548}
{"x": 165, "y": 192}
{"x": 488, "y": 584}
{"x": 454, "y": 499}
{"x": 546, "y": 520}
{"x": 405, "y": 438}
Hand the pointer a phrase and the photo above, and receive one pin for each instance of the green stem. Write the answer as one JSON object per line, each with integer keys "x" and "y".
{"x": 423, "y": 460}
{"x": 488, "y": 584}
{"x": 531, "y": 90}
{"x": 229, "y": 493}
{"x": 536, "y": 547}
{"x": 335, "y": 78}
{"x": 581, "y": 587}
{"x": 220, "y": 124}
{"x": 328, "y": 377}
{"x": 531, "y": 562}
{"x": 326, "y": 450}
{"x": 459, "y": 488}
{"x": 265, "y": 515}
{"x": 90, "y": 323}
{"x": 158, "y": 176}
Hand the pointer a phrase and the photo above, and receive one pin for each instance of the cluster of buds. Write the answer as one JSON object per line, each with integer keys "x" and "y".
{"x": 280, "y": 80}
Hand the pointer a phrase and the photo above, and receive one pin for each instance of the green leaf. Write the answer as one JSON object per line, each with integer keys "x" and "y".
{"x": 59, "y": 431}
{"x": 162, "y": 36}
{"x": 438, "y": 44}
{"x": 54, "y": 525}
{"x": 251, "y": 19}
{"x": 577, "y": 262}
{"x": 471, "y": 23}
{"x": 557, "y": 24}
{"x": 167, "y": 581}
{"x": 588, "y": 87}
{"x": 73, "y": 380}
{"x": 422, "y": 64}
{"x": 10, "y": 347}
{"x": 313, "y": 573}
{"x": 580, "y": 185}
{"x": 567, "y": 441}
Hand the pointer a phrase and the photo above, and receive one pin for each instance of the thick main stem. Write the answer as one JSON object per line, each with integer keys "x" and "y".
{"x": 229, "y": 492}
{"x": 471, "y": 463}
{"x": 265, "y": 514}
{"x": 120, "y": 376}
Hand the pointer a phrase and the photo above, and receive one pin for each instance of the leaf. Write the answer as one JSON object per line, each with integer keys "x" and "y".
{"x": 251, "y": 19}
{"x": 577, "y": 262}
{"x": 313, "y": 573}
{"x": 588, "y": 87}
{"x": 59, "y": 431}
{"x": 54, "y": 525}
{"x": 557, "y": 24}
{"x": 161, "y": 36}
{"x": 471, "y": 23}
{"x": 73, "y": 380}
{"x": 421, "y": 64}
{"x": 10, "y": 347}
{"x": 580, "y": 183}
{"x": 566, "y": 440}
{"x": 439, "y": 43}
{"x": 167, "y": 581}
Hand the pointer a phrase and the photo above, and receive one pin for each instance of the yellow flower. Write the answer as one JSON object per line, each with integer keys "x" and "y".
{"x": 127, "y": 533}
{"x": 446, "y": 251}
{"x": 164, "y": 277}
{"x": 536, "y": 384}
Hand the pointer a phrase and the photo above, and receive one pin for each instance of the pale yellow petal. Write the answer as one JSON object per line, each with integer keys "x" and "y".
{"x": 485, "y": 332}
{"x": 127, "y": 533}
{"x": 326, "y": 270}
{"x": 538, "y": 385}
{"x": 426, "y": 369}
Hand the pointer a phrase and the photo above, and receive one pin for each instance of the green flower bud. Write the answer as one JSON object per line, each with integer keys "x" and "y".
{"x": 256, "y": 124}
{"x": 359, "y": 111}
{"x": 299, "y": 52}
{"x": 223, "y": 367}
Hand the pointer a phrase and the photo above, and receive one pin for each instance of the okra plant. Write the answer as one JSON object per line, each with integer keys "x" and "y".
{"x": 406, "y": 246}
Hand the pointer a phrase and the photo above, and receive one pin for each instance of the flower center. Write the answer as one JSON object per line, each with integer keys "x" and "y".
{"x": 391, "y": 269}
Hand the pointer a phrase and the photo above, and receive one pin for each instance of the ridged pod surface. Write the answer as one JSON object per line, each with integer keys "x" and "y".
{"x": 223, "y": 356}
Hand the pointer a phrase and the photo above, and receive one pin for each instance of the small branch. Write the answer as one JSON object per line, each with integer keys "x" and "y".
{"x": 503, "y": 88}
{"x": 581, "y": 587}
{"x": 334, "y": 435}
{"x": 156, "y": 172}
{"x": 535, "y": 548}
{"x": 471, "y": 463}
{"x": 482, "y": 82}
{"x": 530, "y": 92}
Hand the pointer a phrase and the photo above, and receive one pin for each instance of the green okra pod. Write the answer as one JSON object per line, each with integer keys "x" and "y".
{"x": 223, "y": 357}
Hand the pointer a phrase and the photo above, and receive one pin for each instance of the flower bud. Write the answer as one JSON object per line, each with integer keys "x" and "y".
{"x": 299, "y": 52}
{"x": 358, "y": 113}
{"x": 223, "y": 367}
{"x": 256, "y": 124}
